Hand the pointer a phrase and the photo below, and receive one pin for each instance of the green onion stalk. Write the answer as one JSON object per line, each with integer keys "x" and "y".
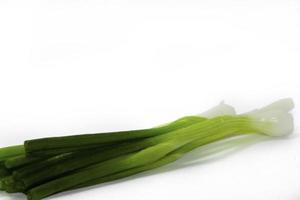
{"x": 46, "y": 166}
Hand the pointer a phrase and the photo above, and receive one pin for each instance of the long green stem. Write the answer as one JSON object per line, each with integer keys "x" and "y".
{"x": 33, "y": 175}
{"x": 80, "y": 141}
{"x": 33, "y": 168}
{"x": 169, "y": 158}
{"x": 30, "y": 178}
{"x": 165, "y": 144}
{"x": 77, "y": 162}
{"x": 71, "y": 163}
{"x": 52, "y": 167}
{"x": 11, "y": 151}
{"x": 20, "y": 161}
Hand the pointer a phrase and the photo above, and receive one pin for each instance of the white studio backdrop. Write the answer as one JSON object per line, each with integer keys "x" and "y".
{"x": 79, "y": 66}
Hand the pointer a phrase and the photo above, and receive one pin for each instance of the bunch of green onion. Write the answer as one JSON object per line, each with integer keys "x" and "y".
{"x": 43, "y": 167}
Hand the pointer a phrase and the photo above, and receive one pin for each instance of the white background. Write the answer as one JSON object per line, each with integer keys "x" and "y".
{"x": 77, "y": 66}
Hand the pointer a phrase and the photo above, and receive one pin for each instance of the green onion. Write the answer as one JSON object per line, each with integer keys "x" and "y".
{"x": 11, "y": 151}
{"x": 224, "y": 126}
{"x": 85, "y": 141}
{"x": 46, "y": 166}
{"x": 20, "y": 161}
{"x": 169, "y": 158}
